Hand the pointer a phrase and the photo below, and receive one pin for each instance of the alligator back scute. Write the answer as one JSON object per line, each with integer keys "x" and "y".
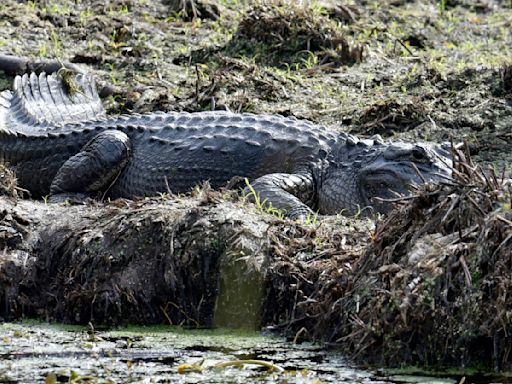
{"x": 175, "y": 150}
{"x": 215, "y": 146}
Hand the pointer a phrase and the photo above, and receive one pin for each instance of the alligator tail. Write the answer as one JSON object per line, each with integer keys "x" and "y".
{"x": 46, "y": 103}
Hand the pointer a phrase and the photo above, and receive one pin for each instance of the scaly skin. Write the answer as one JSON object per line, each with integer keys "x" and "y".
{"x": 297, "y": 166}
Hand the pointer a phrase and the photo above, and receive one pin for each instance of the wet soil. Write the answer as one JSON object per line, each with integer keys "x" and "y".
{"x": 409, "y": 70}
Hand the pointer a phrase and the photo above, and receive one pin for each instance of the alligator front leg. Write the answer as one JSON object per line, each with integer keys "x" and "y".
{"x": 94, "y": 169}
{"x": 286, "y": 192}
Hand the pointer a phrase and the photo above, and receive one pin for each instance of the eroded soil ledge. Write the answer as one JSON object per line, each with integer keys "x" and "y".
{"x": 130, "y": 262}
{"x": 428, "y": 285}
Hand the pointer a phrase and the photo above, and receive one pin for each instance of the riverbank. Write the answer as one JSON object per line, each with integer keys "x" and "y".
{"x": 427, "y": 285}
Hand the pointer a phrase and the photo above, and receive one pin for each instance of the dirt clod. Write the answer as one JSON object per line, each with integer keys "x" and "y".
{"x": 295, "y": 32}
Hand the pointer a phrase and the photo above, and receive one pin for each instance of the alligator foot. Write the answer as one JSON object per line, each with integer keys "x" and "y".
{"x": 305, "y": 215}
{"x": 284, "y": 192}
{"x": 94, "y": 168}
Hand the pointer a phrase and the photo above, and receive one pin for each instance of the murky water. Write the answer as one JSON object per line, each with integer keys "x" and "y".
{"x": 32, "y": 352}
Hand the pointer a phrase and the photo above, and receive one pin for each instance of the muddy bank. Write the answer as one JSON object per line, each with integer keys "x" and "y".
{"x": 428, "y": 285}
{"x": 143, "y": 263}
{"x": 410, "y": 70}
{"x": 199, "y": 261}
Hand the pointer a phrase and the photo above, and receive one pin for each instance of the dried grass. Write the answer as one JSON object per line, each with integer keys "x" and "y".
{"x": 432, "y": 288}
{"x": 291, "y": 29}
{"x": 8, "y": 184}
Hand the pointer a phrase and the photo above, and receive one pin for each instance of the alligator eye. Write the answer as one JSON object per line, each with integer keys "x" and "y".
{"x": 419, "y": 154}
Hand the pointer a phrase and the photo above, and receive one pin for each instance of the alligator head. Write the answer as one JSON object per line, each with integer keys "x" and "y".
{"x": 369, "y": 173}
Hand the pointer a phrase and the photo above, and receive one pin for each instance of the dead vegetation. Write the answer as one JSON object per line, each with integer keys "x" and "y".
{"x": 431, "y": 288}
{"x": 190, "y": 10}
{"x": 230, "y": 84}
{"x": 8, "y": 185}
{"x": 281, "y": 32}
{"x": 391, "y": 115}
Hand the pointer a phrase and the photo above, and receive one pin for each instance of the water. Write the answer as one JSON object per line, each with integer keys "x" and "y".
{"x": 34, "y": 352}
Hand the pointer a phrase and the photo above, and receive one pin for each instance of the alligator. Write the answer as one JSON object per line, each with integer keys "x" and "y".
{"x": 61, "y": 143}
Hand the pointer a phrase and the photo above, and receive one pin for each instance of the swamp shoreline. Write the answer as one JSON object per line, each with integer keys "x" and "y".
{"x": 428, "y": 285}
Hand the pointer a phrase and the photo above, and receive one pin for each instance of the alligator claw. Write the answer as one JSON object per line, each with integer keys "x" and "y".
{"x": 70, "y": 198}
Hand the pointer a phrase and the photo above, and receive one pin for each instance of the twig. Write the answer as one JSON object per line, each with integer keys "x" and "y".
{"x": 16, "y": 65}
{"x": 197, "y": 85}
{"x": 299, "y": 333}
{"x": 465, "y": 268}
{"x": 239, "y": 363}
{"x": 183, "y": 313}
{"x": 166, "y": 315}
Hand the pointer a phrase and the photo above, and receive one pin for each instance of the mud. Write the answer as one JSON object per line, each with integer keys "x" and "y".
{"x": 133, "y": 262}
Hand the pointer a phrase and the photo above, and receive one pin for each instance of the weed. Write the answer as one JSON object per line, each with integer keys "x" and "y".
{"x": 442, "y": 6}
{"x": 174, "y": 17}
{"x": 112, "y": 74}
{"x": 311, "y": 60}
{"x": 56, "y": 43}
{"x": 116, "y": 39}
{"x": 312, "y": 219}
{"x": 33, "y": 4}
{"x": 261, "y": 205}
{"x": 85, "y": 14}
{"x": 43, "y": 50}
{"x": 124, "y": 10}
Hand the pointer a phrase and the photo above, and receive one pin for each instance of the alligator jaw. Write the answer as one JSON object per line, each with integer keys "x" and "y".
{"x": 380, "y": 189}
